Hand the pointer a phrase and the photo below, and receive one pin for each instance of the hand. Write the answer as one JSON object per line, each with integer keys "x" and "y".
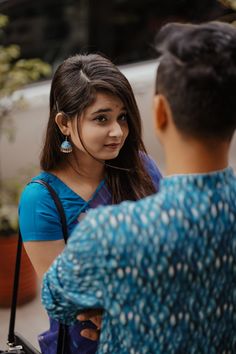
{"x": 94, "y": 316}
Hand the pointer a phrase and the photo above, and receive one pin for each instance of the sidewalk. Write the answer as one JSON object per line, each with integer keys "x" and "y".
{"x": 31, "y": 319}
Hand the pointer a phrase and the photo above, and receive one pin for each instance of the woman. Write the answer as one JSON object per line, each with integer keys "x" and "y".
{"x": 93, "y": 155}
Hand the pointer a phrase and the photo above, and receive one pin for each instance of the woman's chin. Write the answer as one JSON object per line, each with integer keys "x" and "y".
{"x": 109, "y": 156}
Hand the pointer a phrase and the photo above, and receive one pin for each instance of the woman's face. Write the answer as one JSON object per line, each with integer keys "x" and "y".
{"x": 103, "y": 127}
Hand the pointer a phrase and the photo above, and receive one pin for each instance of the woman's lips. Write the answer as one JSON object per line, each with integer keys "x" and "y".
{"x": 112, "y": 146}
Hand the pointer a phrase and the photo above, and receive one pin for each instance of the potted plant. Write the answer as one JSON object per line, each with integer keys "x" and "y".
{"x": 8, "y": 246}
{"x": 14, "y": 73}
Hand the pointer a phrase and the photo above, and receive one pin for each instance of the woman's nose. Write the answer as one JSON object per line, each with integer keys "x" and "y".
{"x": 116, "y": 130}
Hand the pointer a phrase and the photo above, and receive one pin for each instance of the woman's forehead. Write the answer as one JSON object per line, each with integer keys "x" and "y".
{"x": 105, "y": 101}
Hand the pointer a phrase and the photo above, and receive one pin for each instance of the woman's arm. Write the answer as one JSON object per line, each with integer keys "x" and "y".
{"x": 40, "y": 227}
{"x": 43, "y": 253}
{"x": 77, "y": 279}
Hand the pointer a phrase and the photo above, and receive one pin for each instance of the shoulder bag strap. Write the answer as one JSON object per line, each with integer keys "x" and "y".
{"x": 11, "y": 330}
{"x": 62, "y": 334}
{"x": 58, "y": 205}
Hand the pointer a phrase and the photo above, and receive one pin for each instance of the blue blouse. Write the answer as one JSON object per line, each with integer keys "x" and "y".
{"x": 38, "y": 215}
{"x": 163, "y": 269}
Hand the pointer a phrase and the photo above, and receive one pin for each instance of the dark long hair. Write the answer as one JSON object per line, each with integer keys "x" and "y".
{"x": 74, "y": 87}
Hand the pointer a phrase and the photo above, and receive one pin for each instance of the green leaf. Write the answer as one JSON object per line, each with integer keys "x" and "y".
{"x": 3, "y": 21}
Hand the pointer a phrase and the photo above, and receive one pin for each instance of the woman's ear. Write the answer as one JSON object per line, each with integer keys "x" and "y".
{"x": 63, "y": 123}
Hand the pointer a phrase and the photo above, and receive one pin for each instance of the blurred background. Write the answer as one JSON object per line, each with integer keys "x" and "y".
{"x": 35, "y": 36}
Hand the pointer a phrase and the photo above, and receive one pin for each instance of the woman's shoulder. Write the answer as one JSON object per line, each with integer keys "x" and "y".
{"x": 38, "y": 215}
{"x": 34, "y": 191}
{"x": 151, "y": 168}
{"x": 147, "y": 159}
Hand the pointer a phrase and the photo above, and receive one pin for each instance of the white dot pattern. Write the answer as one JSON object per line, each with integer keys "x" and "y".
{"x": 163, "y": 269}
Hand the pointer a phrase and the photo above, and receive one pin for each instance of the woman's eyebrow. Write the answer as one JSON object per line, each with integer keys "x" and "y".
{"x": 102, "y": 110}
{"x": 105, "y": 110}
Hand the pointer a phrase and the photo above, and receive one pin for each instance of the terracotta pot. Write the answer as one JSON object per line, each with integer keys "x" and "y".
{"x": 28, "y": 278}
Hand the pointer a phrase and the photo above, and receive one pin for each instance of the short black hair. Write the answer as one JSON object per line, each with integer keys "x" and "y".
{"x": 197, "y": 75}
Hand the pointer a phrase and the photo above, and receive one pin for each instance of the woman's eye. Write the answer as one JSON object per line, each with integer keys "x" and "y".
{"x": 101, "y": 119}
{"x": 123, "y": 117}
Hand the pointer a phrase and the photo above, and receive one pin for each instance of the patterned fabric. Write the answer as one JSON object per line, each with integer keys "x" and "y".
{"x": 163, "y": 269}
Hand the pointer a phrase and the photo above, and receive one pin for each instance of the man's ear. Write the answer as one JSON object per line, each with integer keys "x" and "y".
{"x": 161, "y": 113}
{"x": 63, "y": 123}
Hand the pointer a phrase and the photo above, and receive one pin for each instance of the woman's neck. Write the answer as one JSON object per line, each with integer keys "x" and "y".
{"x": 83, "y": 177}
{"x": 82, "y": 169}
{"x": 86, "y": 168}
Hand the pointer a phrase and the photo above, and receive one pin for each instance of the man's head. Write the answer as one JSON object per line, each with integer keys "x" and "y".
{"x": 196, "y": 79}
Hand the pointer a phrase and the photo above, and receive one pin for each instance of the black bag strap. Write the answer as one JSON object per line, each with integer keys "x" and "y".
{"x": 58, "y": 205}
{"x": 62, "y": 333}
{"x": 11, "y": 330}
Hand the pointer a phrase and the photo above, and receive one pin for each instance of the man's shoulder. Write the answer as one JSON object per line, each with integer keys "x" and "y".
{"x": 123, "y": 229}
{"x": 126, "y": 207}
{"x": 123, "y": 217}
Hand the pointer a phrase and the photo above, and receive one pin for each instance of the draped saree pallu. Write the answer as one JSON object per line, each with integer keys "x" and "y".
{"x": 76, "y": 343}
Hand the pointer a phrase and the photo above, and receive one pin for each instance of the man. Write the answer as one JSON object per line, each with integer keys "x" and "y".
{"x": 163, "y": 269}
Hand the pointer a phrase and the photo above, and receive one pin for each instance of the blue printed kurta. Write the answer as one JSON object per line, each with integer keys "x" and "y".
{"x": 163, "y": 269}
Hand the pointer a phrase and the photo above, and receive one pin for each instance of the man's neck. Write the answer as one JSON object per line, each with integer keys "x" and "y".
{"x": 194, "y": 157}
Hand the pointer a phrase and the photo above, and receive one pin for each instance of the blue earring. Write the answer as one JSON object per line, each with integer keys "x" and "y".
{"x": 66, "y": 146}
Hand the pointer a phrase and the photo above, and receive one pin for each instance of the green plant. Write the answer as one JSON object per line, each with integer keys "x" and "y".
{"x": 229, "y": 3}
{"x": 15, "y": 73}
{"x": 8, "y": 212}
{"x": 10, "y": 191}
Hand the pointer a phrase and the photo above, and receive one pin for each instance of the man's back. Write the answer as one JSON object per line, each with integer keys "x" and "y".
{"x": 184, "y": 295}
{"x": 165, "y": 274}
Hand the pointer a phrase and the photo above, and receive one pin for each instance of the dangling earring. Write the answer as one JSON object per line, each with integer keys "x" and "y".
{"x": 66, "y": 146}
